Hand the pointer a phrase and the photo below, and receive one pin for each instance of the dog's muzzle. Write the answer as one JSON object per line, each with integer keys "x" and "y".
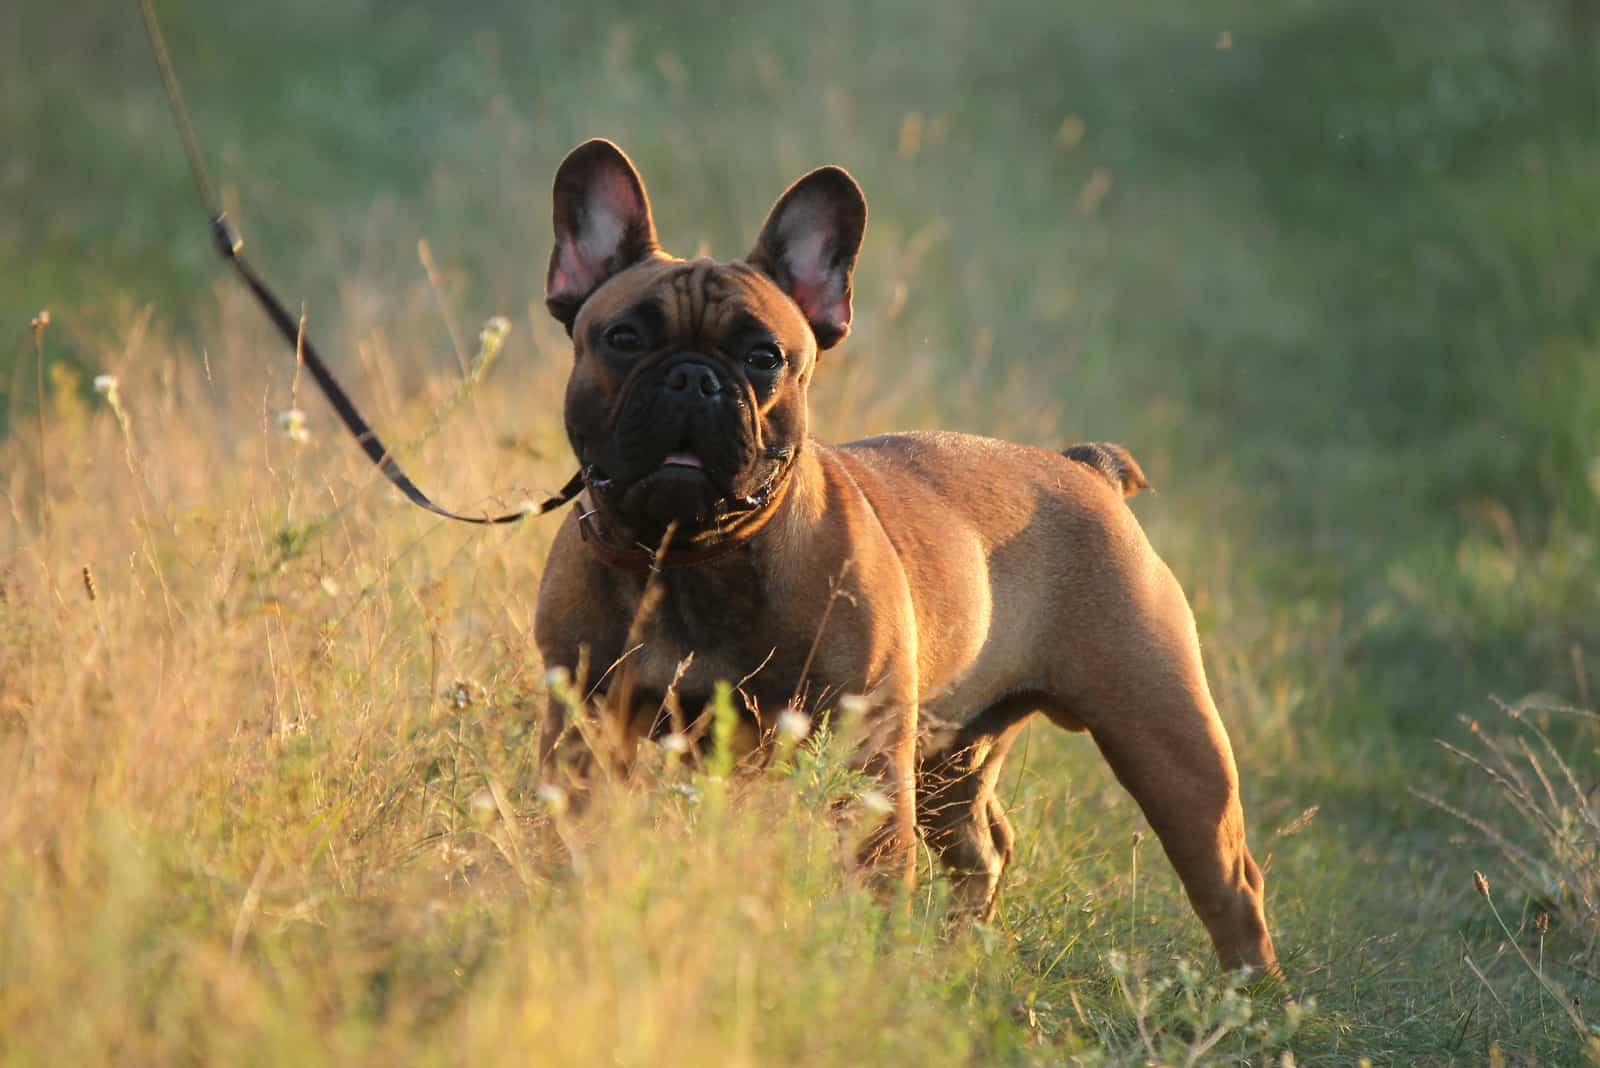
{"x": 683, "y": 446}
{"x": 692, "y": 380}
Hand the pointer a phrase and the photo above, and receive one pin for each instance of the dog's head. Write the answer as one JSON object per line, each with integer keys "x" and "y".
{"x": 688, "y": 391}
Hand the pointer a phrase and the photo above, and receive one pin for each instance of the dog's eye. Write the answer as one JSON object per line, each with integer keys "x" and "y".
{"x": 624, "y": 338}
{"x": 764, "y": 357}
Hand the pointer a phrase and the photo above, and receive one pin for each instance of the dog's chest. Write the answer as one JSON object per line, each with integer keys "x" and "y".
{"x": 781, "y": 646}
{"x": 695, "y": 631}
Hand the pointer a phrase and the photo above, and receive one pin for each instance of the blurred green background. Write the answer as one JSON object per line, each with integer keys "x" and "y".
{"x": 1328, "y": 267}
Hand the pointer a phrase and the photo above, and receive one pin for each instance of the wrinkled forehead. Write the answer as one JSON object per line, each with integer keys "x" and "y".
{"x": 694, "y": 299}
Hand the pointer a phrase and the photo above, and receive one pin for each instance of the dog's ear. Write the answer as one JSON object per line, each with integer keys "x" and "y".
{"x": 809, "y": 244}
{"x": 602, "y": 224}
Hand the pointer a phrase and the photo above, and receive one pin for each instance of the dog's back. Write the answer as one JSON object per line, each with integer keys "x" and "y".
{"x": 963, "y": 468}
{"x": 978, "y": 522}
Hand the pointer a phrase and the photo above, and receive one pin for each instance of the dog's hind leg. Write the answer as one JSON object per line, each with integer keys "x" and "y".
{"x": 961, "y": 814}
{"x": 1182, "y": 774}
{"x": 1150, "y": 711}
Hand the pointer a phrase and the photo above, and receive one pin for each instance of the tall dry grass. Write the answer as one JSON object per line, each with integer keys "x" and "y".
{"x": 1543, "y": 820}
{"x": 267, "y": 739}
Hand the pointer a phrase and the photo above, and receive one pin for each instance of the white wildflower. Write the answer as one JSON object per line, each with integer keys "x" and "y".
{"x": 106, "y": 386}
{"x": 553, "y": 797}
{"x": 876, "y": 801}
{"x": 854, "y": 705}
{"x": 484, "y": 808}
{"x": 494, "y": 330}
{"x": 793, "y": 724}
{"x": 292, "y": 422}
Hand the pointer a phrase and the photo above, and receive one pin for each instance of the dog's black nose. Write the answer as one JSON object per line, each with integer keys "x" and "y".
{"x": 694, "y": 377}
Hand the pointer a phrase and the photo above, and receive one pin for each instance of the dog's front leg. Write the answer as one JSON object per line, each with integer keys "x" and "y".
{"x": 889, "y": 754}
{"x": 566, "y": 759}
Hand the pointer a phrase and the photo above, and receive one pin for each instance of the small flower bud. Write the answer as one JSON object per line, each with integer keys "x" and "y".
{"x": 793, "y": 724}
{"x": 292, "y": 422}
{"x": 494, "y": 330}
{"x": 553, "y": 797}
{"x": 484, "y": 808}
{"x": 854, "y": 705}
{"x": 876, "y": 801}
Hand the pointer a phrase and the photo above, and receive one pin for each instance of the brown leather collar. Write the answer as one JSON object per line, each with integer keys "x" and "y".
{"x": 641, "y": 557}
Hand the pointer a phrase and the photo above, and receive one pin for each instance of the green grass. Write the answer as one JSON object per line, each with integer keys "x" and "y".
{"x": 1338, "y": 300}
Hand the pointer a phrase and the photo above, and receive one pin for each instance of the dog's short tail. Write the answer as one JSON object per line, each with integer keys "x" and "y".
{"x": 1112, "y": 461}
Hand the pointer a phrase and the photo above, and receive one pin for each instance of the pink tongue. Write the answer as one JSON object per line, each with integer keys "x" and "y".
{"x": 682, "y": 459}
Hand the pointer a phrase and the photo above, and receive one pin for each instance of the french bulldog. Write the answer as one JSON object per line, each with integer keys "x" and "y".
{"x": 952, "y": 586}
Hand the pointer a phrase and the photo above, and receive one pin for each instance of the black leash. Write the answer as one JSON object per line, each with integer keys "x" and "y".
{"x": 231, "y": 246}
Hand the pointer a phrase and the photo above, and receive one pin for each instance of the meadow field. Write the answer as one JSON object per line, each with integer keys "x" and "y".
{"x": 268, "y": 795}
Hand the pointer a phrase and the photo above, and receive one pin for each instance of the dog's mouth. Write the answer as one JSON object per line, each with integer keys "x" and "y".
{"x": 686, "y": 488}
{"x": 683, "y": 459}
